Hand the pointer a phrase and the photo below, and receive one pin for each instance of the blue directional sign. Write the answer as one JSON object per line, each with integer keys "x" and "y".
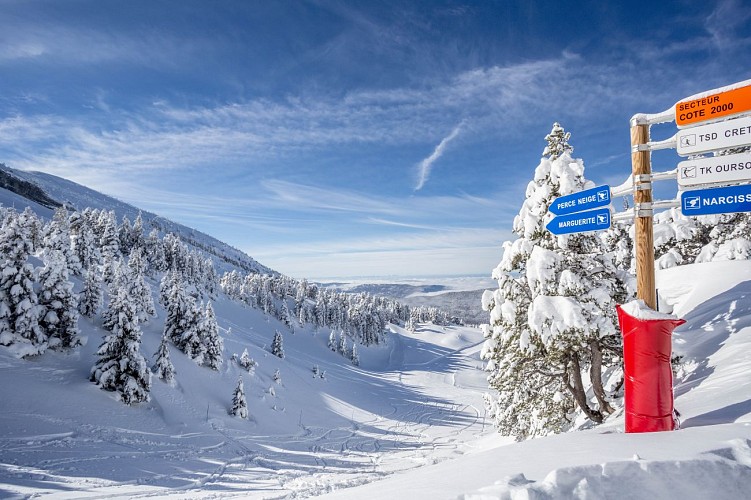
{"x": 721, "y": 200}
{"x": 583, "y": 200}
{"x": 593, "y": 220}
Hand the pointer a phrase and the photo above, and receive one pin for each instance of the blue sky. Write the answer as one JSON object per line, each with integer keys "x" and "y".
{"x": 347, "y": 138}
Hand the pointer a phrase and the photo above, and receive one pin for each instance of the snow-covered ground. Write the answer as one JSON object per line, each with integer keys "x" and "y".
{"x": 408, "y": 422}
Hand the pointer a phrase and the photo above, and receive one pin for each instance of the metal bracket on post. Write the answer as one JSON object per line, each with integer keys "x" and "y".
{"x": 642, "y": 182}
{"x": 656, "y": 145}
{"x": 644, "y": 209}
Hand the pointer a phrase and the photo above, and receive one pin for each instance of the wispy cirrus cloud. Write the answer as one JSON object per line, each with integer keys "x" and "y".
{"x": 426, "y": 165}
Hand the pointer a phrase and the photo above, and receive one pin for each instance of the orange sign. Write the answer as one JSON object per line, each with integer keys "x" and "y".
{"x": 719, "y": 105}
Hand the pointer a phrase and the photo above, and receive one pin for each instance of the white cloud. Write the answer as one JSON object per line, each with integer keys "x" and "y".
{"x": 723, "y": 21}
{"x": 426, "y": 165}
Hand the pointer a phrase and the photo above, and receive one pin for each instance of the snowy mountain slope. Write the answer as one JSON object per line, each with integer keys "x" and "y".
{"x": 414, "y": 401}
{"x": 18, "y": 202}
{"x": 408, "y": 422}
{"x": 79, "y": 197}
{"x": 710, "y": 457}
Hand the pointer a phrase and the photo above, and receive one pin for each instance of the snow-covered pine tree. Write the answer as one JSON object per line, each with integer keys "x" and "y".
{"x": 410, "y": 324}
{"x": 166, "y": 284}
{"x": 33, "y": 227}
{"x": 285, "y": 317}
{"x": 191, "y": 341}
{"x": 239, "y": 403}
{"x": 557, "y": 142}
{"x": 92, "y": 297}
{"x": 277, "y": 376}
{"x": 57, "y": 238}
{"x": 212, "y": 342}
{"x": 125, "y": 235}
{"x": 619, "y": 243}
{"x": 58, "y": 304}
{"x": 83, "y": 242}
{"x": 246, "y": 361}
{"x": 553, "y": 337}
{"x": 141, "y": 290}
{"x": 19, "y": 315}
{"x": 120, "y": 279}
{"x": 163, "y": 367}
{"x": 342, "y": 346}
{"x": 109, "y": 245}
{"x": 137, "y": 238}
{"x": 120, "y": 366}
{"x": 182, "y": 323}
{"x": 332, "y": 341}
{"x": 277, "y": 346}
{"x": 354, "y": 357}
{"x": 154, "y": 250}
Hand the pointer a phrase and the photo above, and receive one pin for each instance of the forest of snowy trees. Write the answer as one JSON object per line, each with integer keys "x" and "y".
{"x": 112, "y": 264}
{"x": 553, "y": 345}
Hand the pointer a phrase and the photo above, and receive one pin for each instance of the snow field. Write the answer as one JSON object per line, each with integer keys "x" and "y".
{"x": 414, "y": 401}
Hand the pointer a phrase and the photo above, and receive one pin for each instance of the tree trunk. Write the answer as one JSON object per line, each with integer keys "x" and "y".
{"x": 595, "y": 374}
{"x": 576, "y": 387}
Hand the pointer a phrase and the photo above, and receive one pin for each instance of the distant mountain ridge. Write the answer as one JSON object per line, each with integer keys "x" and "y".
{"x": 465, "y": 304}
{"x": 25, "y": 188}
{"x": 51, "y": 192}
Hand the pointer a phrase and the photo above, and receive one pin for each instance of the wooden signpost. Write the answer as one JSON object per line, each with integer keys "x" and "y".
{"x": 711, "y": 121}
{"x": 641, "y": 170}
{"x": 720, "y": 104}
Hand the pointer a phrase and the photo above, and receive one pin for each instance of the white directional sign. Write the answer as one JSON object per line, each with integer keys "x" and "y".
{"x": 722, "y": 135}
{"x": 718, "y": 169}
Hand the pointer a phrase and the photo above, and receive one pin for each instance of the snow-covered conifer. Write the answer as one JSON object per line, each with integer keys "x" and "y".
{"x": 277, "y": 376}
{"x": 354, "y": 357}
{"x": 91, "y": 298}
{"x": 285, "y": 317}
{"x": 33, "y": 228}
{"x": 212, "y": 342}
{"x": 57, "y": 238}
{"x": 557, "y": 142}
{"x": 154, "y": 251}
{"x": 182, "y": 323}
{"x": 137, "y": 238}
{"x": 553, "y": 329}
{"x": 58, "y": 304}
{"x": 125, "y": 235}
{"x": 84, "y": 242}
{"x": 246, "y": 361}
{"x": 332, "y": 341}
{"x": 342, "y": 346}
{"x": 120, "y": 366}
{"x": 277, "y": 346}
{"x": 109, "y": 245}
{"x": 19, "y": 314}
{"x": 163, "y": 367}
{"x": 239, "y": 403}
{"x": 140, "y": 289}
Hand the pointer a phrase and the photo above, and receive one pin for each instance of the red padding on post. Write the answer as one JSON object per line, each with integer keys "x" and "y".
{"x": 648, "y": 375}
